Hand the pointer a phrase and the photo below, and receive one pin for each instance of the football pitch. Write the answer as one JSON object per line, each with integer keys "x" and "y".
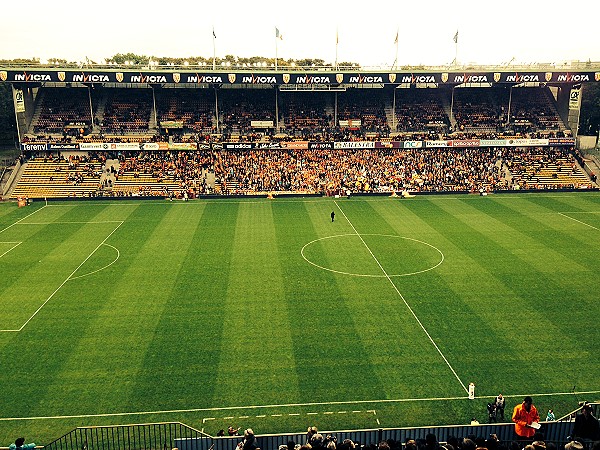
{"x": 267, "y": 314}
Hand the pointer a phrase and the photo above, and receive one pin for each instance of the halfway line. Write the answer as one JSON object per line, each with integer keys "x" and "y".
{"x": 404, "y": 300}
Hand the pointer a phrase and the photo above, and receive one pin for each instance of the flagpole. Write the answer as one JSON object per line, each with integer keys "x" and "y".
{"x": 456, "y": 48}
{"x": 337, "y": 39}
{"x": 214, "y": 50}
{"x": 276, "y": 46}
{"x": 456, "y": 53}
{"x": 396, "y": 60}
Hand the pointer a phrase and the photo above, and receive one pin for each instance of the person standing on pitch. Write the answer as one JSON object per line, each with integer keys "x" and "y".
{"x": 500, "y": 402}
{"x": 332, "y": 215}
{"x": 526, "y": 419}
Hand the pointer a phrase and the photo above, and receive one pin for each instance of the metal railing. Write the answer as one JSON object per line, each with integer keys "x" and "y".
{"x": 166, "y": 436}
{"x": 171, "y": 435}
{"x": 158, "y": 436}
{"x": 590, "y": 66}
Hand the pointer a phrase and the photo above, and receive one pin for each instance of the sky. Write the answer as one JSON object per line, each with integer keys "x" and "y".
{"x": 488, "y": 32}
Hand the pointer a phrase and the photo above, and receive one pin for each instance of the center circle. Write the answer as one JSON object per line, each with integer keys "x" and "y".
{"x": 372, "y": 255}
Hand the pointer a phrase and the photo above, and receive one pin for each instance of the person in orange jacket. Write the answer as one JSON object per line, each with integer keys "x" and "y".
{"x": 525, "y": 416}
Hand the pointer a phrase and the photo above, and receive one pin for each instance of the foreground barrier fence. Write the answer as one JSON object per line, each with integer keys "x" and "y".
{"x": 170, "y": 435}
{"x": 158, "y": 436}
{"x": 165, "y": 436}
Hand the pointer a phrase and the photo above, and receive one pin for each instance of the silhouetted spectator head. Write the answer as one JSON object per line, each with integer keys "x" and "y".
{"x": 574, "y": 445}
{"x": 468, "y": 444}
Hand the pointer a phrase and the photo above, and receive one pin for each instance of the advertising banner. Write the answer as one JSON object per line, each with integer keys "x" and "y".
{"x": 464, "y": 143}
{"x": 63, "y": 146}
{"x": 296, "y": 78}
{"x": 19, "y": 100}
{"x": 182, "y": 146}
{"x": 357, "y": 145}
{"x": 492, "y": 142}
{"x": 436, "y": 144}
{"x": 413, "y": 144}
{"x": 350, "y": 123}
{"x": 34, "y": 147}
{"x": 561, "y": 141}
{"x": 320, "y": 145}
{"x": 295, "y": 145}
{"x": 238, "y": 146}
{"x": 261, "y": 123}
{"x": 268, "y": 145}
{"x": 575, "y": 98}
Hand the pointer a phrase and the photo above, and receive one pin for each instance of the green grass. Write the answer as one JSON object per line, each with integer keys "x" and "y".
{"x": 217, "y": 310}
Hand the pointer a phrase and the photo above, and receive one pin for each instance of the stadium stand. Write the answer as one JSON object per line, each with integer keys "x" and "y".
{"x": 162, "y": 174}
{"x": 241, "y": 108}
{"x": 57, "y": 177}
{"x": 538, "y": 168}
{"x": 126, "y": 112}
{"x": 533, "y": 110}
{"x": 201, "y": 164}
{"x": 62, "y": 115}
{"x": 366, "y": 107}
{"x": 366, "y": 171}
{"x": 306, "y": 112}
{"x": 478, "y": 111}
{"x": 421, "y": 111}
{"x": 261, "y": 171}
{"x": 128, "y": 115}
{"x": 184, "y": 112}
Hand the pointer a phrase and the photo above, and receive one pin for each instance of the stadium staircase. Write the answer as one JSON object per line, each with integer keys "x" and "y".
{"x": 552, "y": 105}
{"x": 329, "y": 111}
{"x": 152, "y": 122}
{"x": 37, "y": 111}
{"x": 389, "y": 116}
{"x": 99, "y": 116}
{"x": 448, "y": 110}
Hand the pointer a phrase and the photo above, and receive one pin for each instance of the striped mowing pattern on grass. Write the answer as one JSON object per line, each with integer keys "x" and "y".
{"x": 170, "y": 309}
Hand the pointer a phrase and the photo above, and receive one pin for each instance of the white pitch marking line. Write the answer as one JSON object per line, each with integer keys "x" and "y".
{"x": 290, "y": 405}
{"x": 579, "y": 221}
{"x": 404, "y": 300}
{"x": 68, "y": 278}
{"x": 291, "y": 414}
{"x": 69, "y": 222}
{"x": 12, "y": 248}
{"x": 20, "y": 220}
{"x": 371, "y": 275}
{"x": 102, "y": 268}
